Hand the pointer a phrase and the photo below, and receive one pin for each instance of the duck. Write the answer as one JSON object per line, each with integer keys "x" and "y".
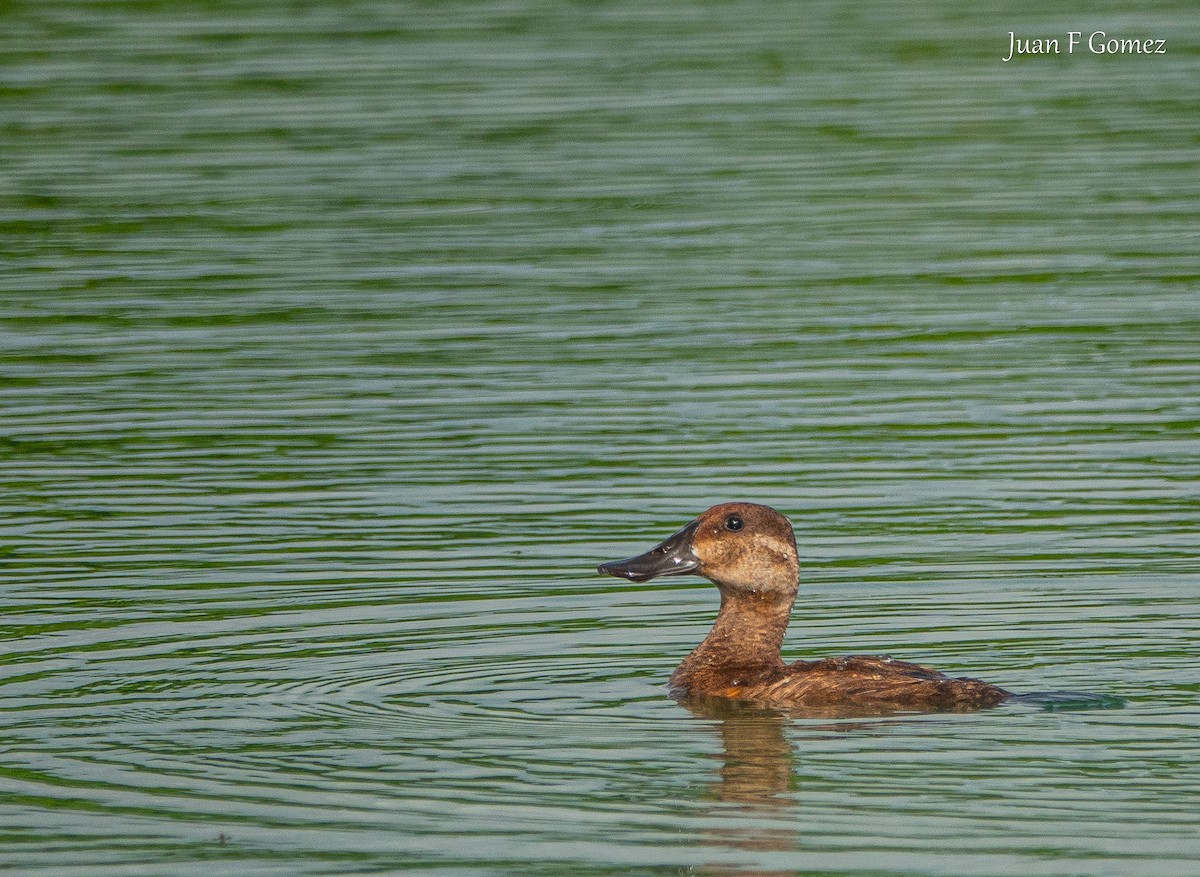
{"x": 749, "y": 552}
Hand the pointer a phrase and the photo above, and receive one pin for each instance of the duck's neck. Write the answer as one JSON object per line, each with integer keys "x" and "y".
{"x": 745, "y": 640}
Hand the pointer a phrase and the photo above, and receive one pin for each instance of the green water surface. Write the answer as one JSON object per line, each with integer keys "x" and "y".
{"x": 339, "y": 342}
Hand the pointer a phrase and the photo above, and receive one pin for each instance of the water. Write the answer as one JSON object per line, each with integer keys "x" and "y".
{"x": 339, "y": 343}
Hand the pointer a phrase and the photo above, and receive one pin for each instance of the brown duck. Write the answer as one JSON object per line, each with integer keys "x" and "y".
{"x": 749, "y": 552}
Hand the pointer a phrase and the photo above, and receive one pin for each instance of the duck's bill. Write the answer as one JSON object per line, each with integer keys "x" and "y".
{"x": 672, "y": 557}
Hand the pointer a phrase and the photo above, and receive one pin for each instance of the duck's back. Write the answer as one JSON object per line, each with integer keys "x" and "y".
{"x": 875, "y": 683}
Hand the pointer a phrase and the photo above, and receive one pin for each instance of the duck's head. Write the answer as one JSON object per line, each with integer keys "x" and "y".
{"x": 739, "y": 546}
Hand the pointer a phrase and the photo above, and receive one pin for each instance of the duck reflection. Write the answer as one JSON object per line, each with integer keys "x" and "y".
{"x": 757, "y": 773}
{"x": 757, "y": 759}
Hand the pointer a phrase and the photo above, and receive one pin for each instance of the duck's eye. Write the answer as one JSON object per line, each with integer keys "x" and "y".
{"x": 734, "y": 523}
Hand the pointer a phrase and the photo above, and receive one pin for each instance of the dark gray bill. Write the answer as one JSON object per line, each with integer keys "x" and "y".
{"x": 672, "y": 557}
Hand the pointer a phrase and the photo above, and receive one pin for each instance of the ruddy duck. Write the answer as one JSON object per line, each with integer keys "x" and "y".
{"x": 749, "y": 552}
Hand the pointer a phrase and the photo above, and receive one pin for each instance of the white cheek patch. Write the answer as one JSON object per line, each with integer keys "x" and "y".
{"x": 772, "y": 545}
{"x": 752, "y": 555}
